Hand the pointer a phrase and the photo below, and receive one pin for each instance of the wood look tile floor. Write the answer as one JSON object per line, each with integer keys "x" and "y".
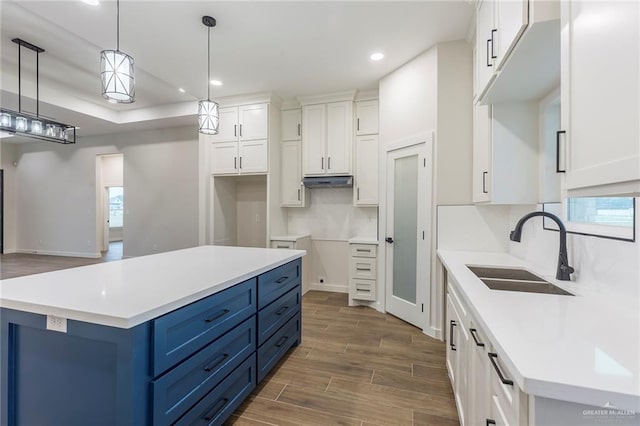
{"x": 355, "y": 366}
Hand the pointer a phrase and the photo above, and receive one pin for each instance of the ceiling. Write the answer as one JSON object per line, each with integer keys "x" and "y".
{"x": 289, "y": 48}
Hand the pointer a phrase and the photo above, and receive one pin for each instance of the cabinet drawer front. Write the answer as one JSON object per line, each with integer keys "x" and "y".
{"x": 509, "y": 397}
{"x": 363, "y": 268}
{"x": 282, "y": 244}
{"x": 362, "y": 289}
{"x": 276, "y": 314}
{"x": 184, "y": 385}
{"x": 274, "y": 348}
{"x": 277, "y": 282}
{"x": 180, "y": 333}
{"x": 222, "y": 401}
{"x": 363, "y": 250}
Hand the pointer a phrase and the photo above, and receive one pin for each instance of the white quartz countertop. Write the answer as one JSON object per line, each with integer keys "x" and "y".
{"x": 129, "y": 292}
{"x": 582, "y": 349}
{"x": 290, "y": 237}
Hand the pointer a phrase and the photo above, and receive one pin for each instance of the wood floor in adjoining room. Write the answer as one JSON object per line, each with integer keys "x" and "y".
{"x": 355, "y": 366}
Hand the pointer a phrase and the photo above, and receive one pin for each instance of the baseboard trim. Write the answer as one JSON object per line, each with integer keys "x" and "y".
{"x": 60, "y": 253}
{"x": 335, "y": 288}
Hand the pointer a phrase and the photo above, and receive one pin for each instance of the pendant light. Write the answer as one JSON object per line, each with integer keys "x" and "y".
{"x": 208, "y": 109}
{"x": 116, "y": 71}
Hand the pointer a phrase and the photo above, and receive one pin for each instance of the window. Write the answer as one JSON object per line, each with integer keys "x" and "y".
{"x": 116, "y": 206}
{"x": 608, "y": 217}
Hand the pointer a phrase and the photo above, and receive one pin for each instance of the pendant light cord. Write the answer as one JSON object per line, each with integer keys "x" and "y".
{"x": 208, "y": 63}
{"x": 118, "y": 25}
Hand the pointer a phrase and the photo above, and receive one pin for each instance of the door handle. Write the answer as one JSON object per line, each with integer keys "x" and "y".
{"x": 241, "y": 130}
{"x": 558, "y": 133}
{"x": 484, "y": 183}
{"x": 298, "y": 195}
{"x": 358, "y": 125}
{"x": 489, "y": 64}
{"x": 493, "y": 31}
{"x": 298, "y": 129}
{"x": 235, "y": 127}
{"x": 329, "y": 163}
{"x": 452, "y": 345}
{"x": 322, "y": 163}
{"x": 241, "y": 162}
{"x": 235, "y": 162}
{"x": 389, "y": 240}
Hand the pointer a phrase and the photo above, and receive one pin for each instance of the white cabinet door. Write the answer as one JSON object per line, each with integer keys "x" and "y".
{"x": 452, "y": 322}
{"x": 479, "y": 387}
{"x": 292, "y": 191}
{"x": 291, "y": 125}
{"x": 252, "y": 156}
{"x": 600, "y": 58}
{"x": 339, "y": 137}
{"x": 314, "y": 139}
{"x": 366, "y": 172}
{"x": 484, "y": 58}
{"x": 224, "y": 158}
{"x": 227, "y": 125}
{"x": 367, "y": 117}
{"x": 512, "y": 17}
{"x": 481, "y": 153}
{"x": 253, "y": 122}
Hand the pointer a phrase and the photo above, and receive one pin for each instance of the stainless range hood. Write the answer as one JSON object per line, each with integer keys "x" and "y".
{"x": 328, "y": 182}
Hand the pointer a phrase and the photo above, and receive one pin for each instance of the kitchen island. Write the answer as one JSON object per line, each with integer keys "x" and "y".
{"x": 179, "y": 337}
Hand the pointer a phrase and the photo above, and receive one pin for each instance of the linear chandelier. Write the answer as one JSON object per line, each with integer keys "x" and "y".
{"x": 208, "y": 109}
{"x": 29, "y": 125}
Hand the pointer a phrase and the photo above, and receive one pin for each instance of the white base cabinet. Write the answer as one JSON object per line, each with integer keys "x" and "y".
{"x": 297, "y": 242}
{"x": 362, "y": 271}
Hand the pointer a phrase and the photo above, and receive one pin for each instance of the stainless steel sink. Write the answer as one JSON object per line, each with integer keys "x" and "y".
{"x": 513, "y": 279}
{"x": 504, "y": 273}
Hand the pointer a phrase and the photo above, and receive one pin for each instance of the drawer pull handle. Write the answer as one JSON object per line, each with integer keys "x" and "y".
{"x": 492, "y": 358}
{"x": 216, "y": 409}
{"x": 281, "y": 280}
{"x": 491, "y": 422}
{"x": 283, "y": 246}
{"x": 473, "y": 332}
{"x": 282, "y": 341}
{"x": 364, "y": 250}
{"x": 363, "y": 269}
{"x": 209, "y": 368}
{"x": 363, "y": 289}
{"x": 281, "y": 310}
{"x": 217, "y": 315}
{"x": 452, "y": 345}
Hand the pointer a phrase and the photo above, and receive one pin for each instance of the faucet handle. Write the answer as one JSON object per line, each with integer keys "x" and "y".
{"x": 568, "y": 269}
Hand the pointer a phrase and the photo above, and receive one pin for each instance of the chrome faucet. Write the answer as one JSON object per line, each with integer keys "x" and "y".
{"x": 564, "y": 270}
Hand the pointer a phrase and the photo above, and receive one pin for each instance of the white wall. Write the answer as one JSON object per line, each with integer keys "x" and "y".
{"x": 56, "y": 199}
{"x": 252, "y": 212}
{"x": 8, "y": 155}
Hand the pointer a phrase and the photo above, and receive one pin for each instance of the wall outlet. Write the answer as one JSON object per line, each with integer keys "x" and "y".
{"x": 321, "y": 280}
{"x": 55, "y": 323}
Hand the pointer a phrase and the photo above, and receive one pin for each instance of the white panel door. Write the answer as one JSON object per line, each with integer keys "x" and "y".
{"x": 224, "y": 158}
{"x": 601, "y": 91}
{"x": 253, "y": 156}
{"x": 292, "y": 190}
{"x": 227, "y": 125}
{"x": 366, "y": 173}
{"x": 291, "y": 125}
{"x": 407, "y": 234}
{"x": 512, "y": 17}
{"x": 367, "y": 117}
{"x": 314, "y": 139}
{"x": 254, "y": 122}
{"x": 339, "y": 137}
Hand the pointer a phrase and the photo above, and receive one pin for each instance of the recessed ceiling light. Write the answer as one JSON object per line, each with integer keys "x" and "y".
{"x": 92, "y": 2}
{"x": 216, "y": 83}
{"x": 181, "y": 90}
{"x": 376, "y": 56}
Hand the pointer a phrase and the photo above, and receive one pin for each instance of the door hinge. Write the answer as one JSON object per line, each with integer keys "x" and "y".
{"x": 423, "y": 307}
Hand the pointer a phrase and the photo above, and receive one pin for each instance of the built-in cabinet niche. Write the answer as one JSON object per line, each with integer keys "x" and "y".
{"x": 240, "y": 211}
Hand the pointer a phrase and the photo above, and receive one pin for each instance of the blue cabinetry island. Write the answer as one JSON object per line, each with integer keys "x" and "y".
{"x": 151, "y": 361}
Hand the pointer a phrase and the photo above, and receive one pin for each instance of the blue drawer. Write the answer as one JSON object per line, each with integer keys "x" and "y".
{"x": 182, "y": 332}
{"x": 184, "y": 385}
{"x": 273, "y": 349}
{"x": 277, "y": 313}
{"x": 277, "y": 282}
{"x": 221, "y": 402}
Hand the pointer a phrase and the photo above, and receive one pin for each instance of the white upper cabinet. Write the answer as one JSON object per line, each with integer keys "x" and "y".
{"x": 481, "y": 153}
{"x": 600, "y": 97}
{"x": 292, "y": 125}
{"x": 314, "y": 139}
{"x": 327, "y": 132}
{"x": 366, "y": 171}
{"x": 292, "y": 191}
{"x": 485, "y": 50}
{"x": 241, "y": 145}
{"x": 253, "y": 121}
{"x": 511, "y": 18}
{"x": 367, "y": 117}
